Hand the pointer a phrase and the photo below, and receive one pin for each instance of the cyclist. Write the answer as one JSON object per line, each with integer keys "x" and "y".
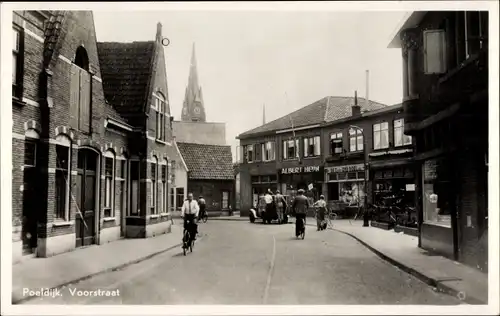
{"x": 202, "y": 204}
{"x": 299, "y": 208}
{"x": 320, "y": 206}
{"x": 189, "y": 213}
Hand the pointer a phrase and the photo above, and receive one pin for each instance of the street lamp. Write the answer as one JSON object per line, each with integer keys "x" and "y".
{"x": 365, "y": 156}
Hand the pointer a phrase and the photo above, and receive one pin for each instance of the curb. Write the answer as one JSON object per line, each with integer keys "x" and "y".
{"x": 238, "y": 219}
{"x": 115, "y": 268}
{"x": 428, "y": 280}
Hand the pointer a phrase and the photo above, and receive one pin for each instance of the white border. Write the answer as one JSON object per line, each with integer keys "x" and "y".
{"x": 6, "y": 159}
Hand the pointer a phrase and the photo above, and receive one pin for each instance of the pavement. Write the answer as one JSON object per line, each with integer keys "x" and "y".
{"x": 236, "y": 262}
{"x": 75, "y": 266}
{"x": 452, "y": 277}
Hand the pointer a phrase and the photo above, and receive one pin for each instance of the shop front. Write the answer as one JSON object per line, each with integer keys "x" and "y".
{"x": 397, "y": 183}
{"x": 346, "y": 184}
{"x": 308, "y": 178}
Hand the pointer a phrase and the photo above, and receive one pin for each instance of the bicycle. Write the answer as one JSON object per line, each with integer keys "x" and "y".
{"x": 187, "y": 241}
{"x": 329, "y": 223}
{"x": 203, "y": 217}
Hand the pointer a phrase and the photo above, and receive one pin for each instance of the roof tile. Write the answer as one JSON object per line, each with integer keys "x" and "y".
{"x": 208, "y": 162}
{"x": 126, "y": 71}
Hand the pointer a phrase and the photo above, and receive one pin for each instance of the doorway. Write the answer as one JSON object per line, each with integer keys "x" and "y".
{"x": 29, "y": 220}
{"x": 86, "y": 197}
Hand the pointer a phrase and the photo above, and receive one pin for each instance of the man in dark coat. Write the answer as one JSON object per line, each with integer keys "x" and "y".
{"x": 299, "y": 208}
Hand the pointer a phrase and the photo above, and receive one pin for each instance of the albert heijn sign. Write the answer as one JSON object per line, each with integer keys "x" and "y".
{"x": 301, "y": 169}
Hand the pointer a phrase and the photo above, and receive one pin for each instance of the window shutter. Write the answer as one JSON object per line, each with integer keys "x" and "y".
{"x": 434, "y": 51}
{"x": 85, "y": 101}
{"x": 74, "y": 99}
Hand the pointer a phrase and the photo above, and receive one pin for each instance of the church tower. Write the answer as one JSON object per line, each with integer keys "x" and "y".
{"x": 193, "y": 109}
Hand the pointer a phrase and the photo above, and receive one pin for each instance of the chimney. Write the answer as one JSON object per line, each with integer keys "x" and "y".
{"x": 158, "y": 32}
{"x": 367, "y": 88}
{"x": 356, "y": 109}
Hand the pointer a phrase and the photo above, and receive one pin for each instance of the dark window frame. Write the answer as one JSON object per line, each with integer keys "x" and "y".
{"x": 17, "y": 85}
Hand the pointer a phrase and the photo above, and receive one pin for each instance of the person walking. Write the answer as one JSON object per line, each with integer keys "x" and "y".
{"x": 299, "y": 208}
{"x": 280, "y": 206}
{"x": 320, "y": 208}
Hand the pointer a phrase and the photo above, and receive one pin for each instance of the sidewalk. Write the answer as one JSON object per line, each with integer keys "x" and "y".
{"x": 402, "y": 250}
{"x": 81, "y": 264}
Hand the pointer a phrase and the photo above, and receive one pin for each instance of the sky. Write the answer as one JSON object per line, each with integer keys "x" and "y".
{"x": 283, "y": 60}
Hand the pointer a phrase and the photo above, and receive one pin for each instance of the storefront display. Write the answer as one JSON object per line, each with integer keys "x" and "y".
{"x": 399, "y": 182}
{"x": 346, "y": 184}
{"x": 436, "y": 193}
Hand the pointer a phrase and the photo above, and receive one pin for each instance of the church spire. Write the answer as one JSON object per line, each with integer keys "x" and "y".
{"x": 193, "y": 107}
{"x": 263, "y": 114}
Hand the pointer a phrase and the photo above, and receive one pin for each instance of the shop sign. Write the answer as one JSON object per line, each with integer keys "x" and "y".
{"x": 347, "y": 168}
{"x": 307, "y": 169}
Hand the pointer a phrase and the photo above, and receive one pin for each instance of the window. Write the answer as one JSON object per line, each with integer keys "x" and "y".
{"x": 249, "y": 153}
{"x": 17, "y": 61}
{"x": 154, "y": 182}
{"x": 81, "y": 92}
{"x": 164, "y": 195}
{"x": 258, "y": 152}
{"x": 134, "y": 188}
{"x": 436, "y": 194}
{"x": 290, "y": 149}
{"x": 355, "y": 139}
{"x": 62, "y": 191}
{"x": 225, "y": 200}
{"x": 160, "y": 107}
{"x": 400, "y": 139}
{"x": 123, "y": 184}
{"x": 30, "y": 152}
{"x": 336, "y": 146}
{"x": 434, "y": 51}
{"x": 381, "y": 135}
{"x": 109, "y": 183}
{"x": 180, "y": 197}
{"x": 312, "y": 146}
{"x": 269, "y": 150}
{"x": 172, "y": 199}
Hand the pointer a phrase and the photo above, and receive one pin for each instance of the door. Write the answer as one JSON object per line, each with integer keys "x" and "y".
{"x": 225, "y": 200}
{"x": 29, "y": 222}
{"x": 86, "y": 197}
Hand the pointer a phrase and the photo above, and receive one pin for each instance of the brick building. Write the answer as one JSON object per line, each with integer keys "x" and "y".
{"x": 324, "y": 152}
{"x": 445, "y": 101}
{"x": 211, "y": 174}
{"x": 91, "y": 152}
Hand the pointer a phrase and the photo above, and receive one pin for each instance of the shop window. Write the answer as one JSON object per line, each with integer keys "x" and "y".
{"x": 352, "y": 193}
{"x": 436, "y": 193}
{"x": 290, "y": 149}
{"x": 355, "y": 139}
{"x": 109, "y": 175}
{"x": 249, "y": 153}
{"x": 381, "y": 135}
{"x": 273, "y": 178}
{"x": 400, "y": 139}
{"x": 255, "y": 179}
{"x": 336, "y": 146}
{"x": 268, "y": 151}
{"x": 333, "y": 191}
{"x": 312, "y": 146}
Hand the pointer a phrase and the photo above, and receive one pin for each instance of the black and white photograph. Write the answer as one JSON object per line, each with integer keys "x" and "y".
{"x": 204, "y": 158}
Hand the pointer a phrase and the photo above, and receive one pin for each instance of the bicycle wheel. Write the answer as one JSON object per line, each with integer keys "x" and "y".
{"x": 205, "y": 218}
{"x": 185, "y": 241}
{"x": 303, "y": 234}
